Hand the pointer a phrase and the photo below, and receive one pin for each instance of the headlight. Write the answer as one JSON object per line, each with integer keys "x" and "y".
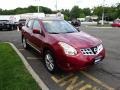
{"x": 69, "y": 50}
{"x": 99, "y": 48}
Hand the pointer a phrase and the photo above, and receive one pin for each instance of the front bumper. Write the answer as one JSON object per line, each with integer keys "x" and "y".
{"x": 79, "y": 62}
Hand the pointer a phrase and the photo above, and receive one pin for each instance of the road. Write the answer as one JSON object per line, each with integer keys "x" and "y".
{"x": 103, "y": 76}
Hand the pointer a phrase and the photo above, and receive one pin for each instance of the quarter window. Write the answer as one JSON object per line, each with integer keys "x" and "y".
{"x": 29, "y": 24}
{"x": 36, "y": 25}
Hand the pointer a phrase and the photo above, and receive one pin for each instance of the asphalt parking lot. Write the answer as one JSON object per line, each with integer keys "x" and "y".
{"x": 103, "y": 76}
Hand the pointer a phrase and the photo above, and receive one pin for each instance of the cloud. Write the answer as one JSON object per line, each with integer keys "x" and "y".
{"x": 65, "y": 4}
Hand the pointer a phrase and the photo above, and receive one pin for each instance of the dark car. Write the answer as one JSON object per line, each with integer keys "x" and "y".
{"x": 7, "y": 25}
{"x": 61, "y": 45}
{"x": 116, "y": 23}
{"x": 21, "y": 23}
{"x": 76, "y": 23}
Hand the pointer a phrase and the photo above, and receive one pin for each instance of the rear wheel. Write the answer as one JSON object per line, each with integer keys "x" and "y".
{"x": 50, "y": 62}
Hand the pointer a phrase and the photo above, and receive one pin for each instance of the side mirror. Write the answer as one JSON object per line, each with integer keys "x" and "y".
{"x": 36, "y": 31}
{"x": 78, "y": 28}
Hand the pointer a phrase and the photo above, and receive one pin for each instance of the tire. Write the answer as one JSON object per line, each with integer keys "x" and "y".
{"x": 49, "y": 62}
{"x": 12, "y": 28}
{"x": 24, "y": 42}
{"x": 1, "y": 29}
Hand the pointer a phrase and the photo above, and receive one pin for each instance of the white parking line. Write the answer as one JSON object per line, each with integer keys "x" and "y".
{"x": 21, "y": 49}
{"x": 33, "y": 58}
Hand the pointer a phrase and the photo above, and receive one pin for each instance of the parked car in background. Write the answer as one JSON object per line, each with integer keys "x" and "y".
{"x": 76, "y": 23}
{"x": 61, "y": 45}
{"x": 21, "y": 23}
{"x": 105, "y": 22}
{"x": 7, "y": 25}
{"x": 116, "y": 23}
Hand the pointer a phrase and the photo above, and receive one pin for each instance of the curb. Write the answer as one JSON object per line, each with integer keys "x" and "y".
{"x": 39, "y": 81}
{"x": 99, "y": 27}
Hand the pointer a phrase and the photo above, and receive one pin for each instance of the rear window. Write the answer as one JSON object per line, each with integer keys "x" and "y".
{"x": 117, "y": 21}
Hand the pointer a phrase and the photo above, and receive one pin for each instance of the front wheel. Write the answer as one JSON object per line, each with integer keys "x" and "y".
{"x": 50, "y": 62}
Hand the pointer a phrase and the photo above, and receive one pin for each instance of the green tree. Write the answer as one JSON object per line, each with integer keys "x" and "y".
{"x": 46, "y": 10}
{"x": 66, "y": 13}
{"x": 87, "y": 11}
{"x": 75, "y": 12}
{"x": 118, "y": 10}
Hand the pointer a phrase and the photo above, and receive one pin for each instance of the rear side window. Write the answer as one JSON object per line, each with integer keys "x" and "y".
{"x": 29, "y": 24}
{"x": 36, "y": 25}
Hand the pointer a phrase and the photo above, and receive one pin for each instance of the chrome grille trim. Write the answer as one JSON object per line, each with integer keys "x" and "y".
{"x": 92, "y": 51}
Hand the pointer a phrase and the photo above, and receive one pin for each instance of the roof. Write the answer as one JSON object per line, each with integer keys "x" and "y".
{"x": 48, "y": 18}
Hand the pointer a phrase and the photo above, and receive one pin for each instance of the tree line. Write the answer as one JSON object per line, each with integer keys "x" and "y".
{"x": 110, "y": 13}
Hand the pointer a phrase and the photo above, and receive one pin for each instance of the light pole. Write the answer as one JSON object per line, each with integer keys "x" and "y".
{"x": 38, "y": 9}
{"x": 56, "y": 6}
{"x": 103, "y": 14}
{"x": 37, "y": 3}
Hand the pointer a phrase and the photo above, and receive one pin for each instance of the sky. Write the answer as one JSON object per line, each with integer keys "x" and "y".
{"x": 61, "y": 4}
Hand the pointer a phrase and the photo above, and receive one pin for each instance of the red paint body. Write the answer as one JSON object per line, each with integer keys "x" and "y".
{"x": 116, "y": 23}
{"x": 77, "y": 40}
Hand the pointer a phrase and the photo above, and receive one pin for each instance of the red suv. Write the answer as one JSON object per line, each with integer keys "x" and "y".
{"x": 61, "y": 45}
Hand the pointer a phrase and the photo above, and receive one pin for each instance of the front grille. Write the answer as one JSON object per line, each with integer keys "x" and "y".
{"x": 93, "y": 50}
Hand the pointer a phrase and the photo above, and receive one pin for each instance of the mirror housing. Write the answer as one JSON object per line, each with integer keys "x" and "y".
{"x": 78, "y": 29}
{"x": 36, "y": 31}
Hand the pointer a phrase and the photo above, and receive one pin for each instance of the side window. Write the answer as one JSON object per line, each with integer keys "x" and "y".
{"x": 29, "y": 24}
{"x": 36, "y": 25}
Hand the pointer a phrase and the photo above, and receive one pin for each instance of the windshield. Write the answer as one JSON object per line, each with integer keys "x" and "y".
{"x": 58, "y": 26}
{"x": 117, "y": 21}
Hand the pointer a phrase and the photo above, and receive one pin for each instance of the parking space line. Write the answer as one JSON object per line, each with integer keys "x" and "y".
{"x": 97, "y": 81}
{"x": 73, "y": 85}
{"x": 72, "y": 80}
{"x": 60, "y": 80}
{"x": 33, "y": 58}
{"x": 21, "y": 49}
{"x": 85, "y": 87}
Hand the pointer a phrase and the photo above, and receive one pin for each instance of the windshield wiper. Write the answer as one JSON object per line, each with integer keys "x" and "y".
{"x": 53, "y": 33}
{"x": 70, "y": 32}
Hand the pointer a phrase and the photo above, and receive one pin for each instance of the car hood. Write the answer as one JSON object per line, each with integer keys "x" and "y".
{"x": 77, "y": 40}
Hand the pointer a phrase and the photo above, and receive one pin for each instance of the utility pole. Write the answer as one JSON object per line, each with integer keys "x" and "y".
{"x": 38, "y": 9}
{"x": 37, "y": 3}
{"x": 56, "y": 6}
{"x": 103, "y": 13}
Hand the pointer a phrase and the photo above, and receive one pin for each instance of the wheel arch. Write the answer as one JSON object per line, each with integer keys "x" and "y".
{"x": 50, "y": 48}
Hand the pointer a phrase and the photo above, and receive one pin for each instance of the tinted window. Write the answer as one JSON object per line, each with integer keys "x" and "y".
{"x": 117, "y": 21}
{"x": 36, "y": 25}
{"x": 59, "y": 26}
{"x": 4, "y": 21}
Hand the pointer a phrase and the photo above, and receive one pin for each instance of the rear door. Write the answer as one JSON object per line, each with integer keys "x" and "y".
{"x": 27, "y": 31}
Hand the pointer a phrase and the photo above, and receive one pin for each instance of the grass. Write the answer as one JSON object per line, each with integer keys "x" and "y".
{"x": 13, "y": 74}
